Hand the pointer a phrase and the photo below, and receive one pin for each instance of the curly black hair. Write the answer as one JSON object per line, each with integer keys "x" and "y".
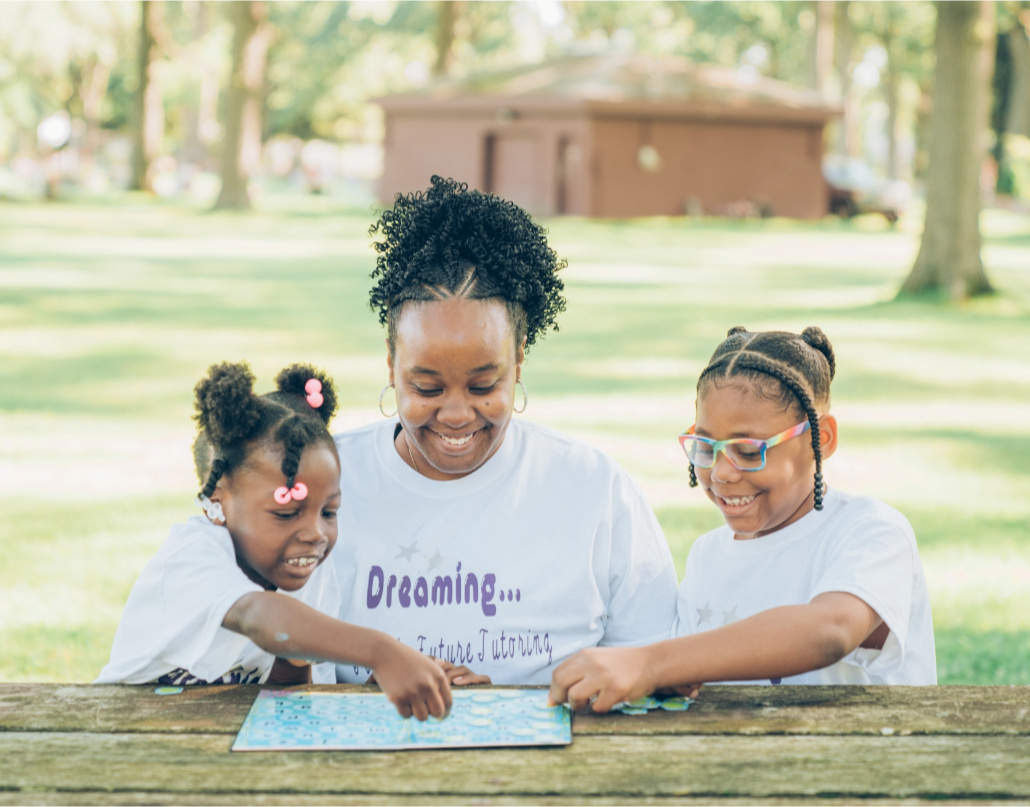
{"x": 232, "y": 421}
{"x": 802, "y": 367}
{"x": 449, "y": 241}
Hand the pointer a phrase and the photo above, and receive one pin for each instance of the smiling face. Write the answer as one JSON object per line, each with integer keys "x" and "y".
{"x": 454, "y": 366}
{"x": 283, "y": 543}
{"x": 756, "y": 503}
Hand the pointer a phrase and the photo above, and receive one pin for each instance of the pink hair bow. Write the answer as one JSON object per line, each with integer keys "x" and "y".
{"x": 285, "y": 495}
{"x": 314, "y": 390}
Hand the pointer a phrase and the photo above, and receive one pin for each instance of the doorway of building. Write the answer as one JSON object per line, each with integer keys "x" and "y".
{"x": 512, "y": 169}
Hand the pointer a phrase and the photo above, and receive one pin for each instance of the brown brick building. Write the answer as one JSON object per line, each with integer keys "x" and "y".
{"x": 615, "y": 135}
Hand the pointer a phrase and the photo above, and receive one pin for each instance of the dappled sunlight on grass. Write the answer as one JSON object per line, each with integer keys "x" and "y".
{"x": 978, "y": 588}
{"x": 110, "y": 313}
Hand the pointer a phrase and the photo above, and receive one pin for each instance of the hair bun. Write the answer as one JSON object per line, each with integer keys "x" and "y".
{"x": 815, "y": 337}
{"x": 225, "y": 405}
{"x": 292, "y": 380}
{"x": 735, "y": 330}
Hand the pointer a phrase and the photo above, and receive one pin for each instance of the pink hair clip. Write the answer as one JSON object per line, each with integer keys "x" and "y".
{"x": 285, "y": 495}
{"x": 314, "y": 390}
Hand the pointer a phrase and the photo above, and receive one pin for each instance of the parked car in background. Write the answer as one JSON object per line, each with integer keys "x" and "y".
{"x": 854, "y": 188}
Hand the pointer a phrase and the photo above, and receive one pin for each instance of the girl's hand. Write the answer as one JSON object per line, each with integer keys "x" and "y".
{"x": 461, "y": 676}
{"x": 684, "y": 690}
{"x": 288, "y": 672}
{"x": 414, "y": 684}
{"x": 598, "y": 678}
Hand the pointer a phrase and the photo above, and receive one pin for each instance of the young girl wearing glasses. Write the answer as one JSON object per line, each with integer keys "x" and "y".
{"x": 804, "y": 584}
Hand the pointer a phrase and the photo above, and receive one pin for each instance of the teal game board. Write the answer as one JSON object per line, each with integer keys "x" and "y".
{"x": 353, "y": 721}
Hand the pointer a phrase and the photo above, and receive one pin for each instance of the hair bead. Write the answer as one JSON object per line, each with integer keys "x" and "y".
{"x": 232, "y": 420}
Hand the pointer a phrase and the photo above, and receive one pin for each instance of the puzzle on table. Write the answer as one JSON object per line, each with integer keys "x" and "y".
{"x": 353, "y": 721}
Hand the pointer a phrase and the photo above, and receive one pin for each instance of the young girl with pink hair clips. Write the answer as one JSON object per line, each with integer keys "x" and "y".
{"x": 803, "y": 584}
{"x": 242, "y": 593}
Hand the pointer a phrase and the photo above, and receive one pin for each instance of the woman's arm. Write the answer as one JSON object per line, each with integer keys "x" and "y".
{"x": 288, "y": 628}
{"x": 777, "y": 643}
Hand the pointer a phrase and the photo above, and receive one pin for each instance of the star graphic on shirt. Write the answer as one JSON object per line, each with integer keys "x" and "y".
{"x": 729, "y": 616}
{"x": 704, "y": 615}
{"x": 436, "y": 561}
{"x": 407, "y": 551}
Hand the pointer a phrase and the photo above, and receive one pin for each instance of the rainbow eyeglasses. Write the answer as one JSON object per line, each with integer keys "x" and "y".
{"x": 743, "y": 453}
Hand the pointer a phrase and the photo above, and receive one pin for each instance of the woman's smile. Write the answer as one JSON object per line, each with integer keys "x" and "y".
{"x": 456, "y": 442}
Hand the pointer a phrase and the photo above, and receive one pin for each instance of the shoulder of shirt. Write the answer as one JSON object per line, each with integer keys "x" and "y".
{"x": 854, "y": 507}
{"x": 573, "y": 450}
{"x": 196, "y": 533}
{"x": 359, "y": 433}
{"x": 705, "y": 540}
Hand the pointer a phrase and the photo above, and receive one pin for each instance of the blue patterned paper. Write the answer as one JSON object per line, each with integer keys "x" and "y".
{"x": 353, "y": 721}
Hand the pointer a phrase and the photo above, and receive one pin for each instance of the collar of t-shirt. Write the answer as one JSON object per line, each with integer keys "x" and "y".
{"x": 502, "y": 461}
{"x": 774, "y": 542}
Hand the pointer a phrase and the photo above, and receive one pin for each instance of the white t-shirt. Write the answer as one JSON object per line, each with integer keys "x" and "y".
{"x": 171, "y": 630}
{"x": 547, "y": 548}
{"x": 856, "y": 545}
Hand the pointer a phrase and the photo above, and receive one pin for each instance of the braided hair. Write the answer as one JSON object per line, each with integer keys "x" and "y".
{"x": 803, "y": 365}
{"x": 232, "y": 421}
{"x": 449, "y": 241}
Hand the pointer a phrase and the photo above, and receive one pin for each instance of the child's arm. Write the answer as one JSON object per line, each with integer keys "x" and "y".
{"x": 288, "y": 628}
{"x": 777, "y": 643}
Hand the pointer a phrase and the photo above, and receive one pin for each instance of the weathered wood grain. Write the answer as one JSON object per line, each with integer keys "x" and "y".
{"x": 619, "y": 768}
{"x": 747, "y": 710}
{"x": 88, "y": 707}
{"x": 827, "y": 710}
{"x": 260, "y": 799}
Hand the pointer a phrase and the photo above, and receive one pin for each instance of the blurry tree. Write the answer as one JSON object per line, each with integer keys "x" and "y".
{"x": 448, "y": 17}
{"x": 199, "y": 124}
{"x": 893, "y": 44}
{"x": 1010, "y": 113}
{"x": 949, "y": 255}
{"x": 148, "y": 112}
{"x": 773, "y": 39}
{"x": 843, "y": 39}
{"x": 57, "y": 56}
{"x": 241, "y": 148}
{"x": 821, "y": 46}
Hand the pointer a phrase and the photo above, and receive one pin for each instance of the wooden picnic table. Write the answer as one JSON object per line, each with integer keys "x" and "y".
{"x": 85, "y": 744}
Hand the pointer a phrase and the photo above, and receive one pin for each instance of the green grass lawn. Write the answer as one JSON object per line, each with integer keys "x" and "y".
{"x": 110, "y": 311}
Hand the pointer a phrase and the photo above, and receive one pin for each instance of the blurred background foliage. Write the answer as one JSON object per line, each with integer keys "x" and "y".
{"x": 322, "y": 62}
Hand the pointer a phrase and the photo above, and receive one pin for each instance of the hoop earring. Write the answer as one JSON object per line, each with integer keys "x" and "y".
{"x": 381, "y": 394}
{"x": 525, "y": 397}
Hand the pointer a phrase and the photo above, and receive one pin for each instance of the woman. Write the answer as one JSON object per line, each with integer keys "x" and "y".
{"x": 492, "y": 544}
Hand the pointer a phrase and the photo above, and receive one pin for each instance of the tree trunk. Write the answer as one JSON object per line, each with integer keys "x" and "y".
{"x": 148, "y": 112}
{"x": 821, "y": 46}
{"x": 1017, "y": 121}
{"x": 445, "y": 37}
{"x": 949, "y": 254}
{"x": 241, "y": 147}
{"x": 198, "y": 117}
{"x": 891, "y": 85}
{"x": 843, "y": 37}
{"x": 93, "y": 91}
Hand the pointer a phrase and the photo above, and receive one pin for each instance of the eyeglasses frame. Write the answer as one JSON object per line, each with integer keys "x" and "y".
{"x": 761, "y": 445}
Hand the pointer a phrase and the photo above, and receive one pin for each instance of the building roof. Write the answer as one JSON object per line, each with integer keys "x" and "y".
{"x": 618, "y": 84}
